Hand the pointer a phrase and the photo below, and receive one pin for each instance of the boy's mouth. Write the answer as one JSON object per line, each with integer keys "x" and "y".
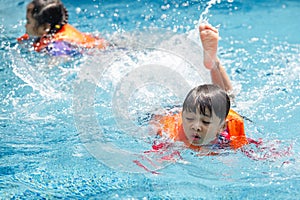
{"x": 196, "y": 137}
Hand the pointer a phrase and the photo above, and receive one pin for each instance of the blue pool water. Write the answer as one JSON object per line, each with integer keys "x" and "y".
{"x": 72, "y": 128}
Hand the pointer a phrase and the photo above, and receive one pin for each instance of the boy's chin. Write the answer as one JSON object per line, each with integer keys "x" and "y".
{"x": 197, "y": 143}
{"x": 203, "y": 143}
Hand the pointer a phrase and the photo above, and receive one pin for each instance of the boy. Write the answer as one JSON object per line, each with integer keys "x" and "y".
{"x": 206, "y": 118}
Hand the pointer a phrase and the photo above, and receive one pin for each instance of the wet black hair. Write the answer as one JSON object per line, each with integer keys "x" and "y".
{"x": 52, "y": 12}
{"x": 209, "y": 97}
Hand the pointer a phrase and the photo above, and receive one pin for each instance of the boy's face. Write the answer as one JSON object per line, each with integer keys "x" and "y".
{"x": 201, "y": 129}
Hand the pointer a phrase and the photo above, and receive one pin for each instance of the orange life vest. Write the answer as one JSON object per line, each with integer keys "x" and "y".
{"x": 71, "y": 35}
{"x": 172, "y": 126}
{"x": 236, "y": 130}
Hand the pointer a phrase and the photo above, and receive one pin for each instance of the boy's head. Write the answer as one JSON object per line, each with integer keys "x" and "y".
{"x": 204, "y": 112}
{"x": 45, "y": 16}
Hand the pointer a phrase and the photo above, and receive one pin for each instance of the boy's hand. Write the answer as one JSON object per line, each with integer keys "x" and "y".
{"x": 209, "y": 37}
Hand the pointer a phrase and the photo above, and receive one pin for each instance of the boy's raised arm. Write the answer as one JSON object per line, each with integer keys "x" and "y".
{"x": 209, "y": 36}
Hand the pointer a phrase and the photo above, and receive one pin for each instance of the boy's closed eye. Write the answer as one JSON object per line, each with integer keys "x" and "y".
{"x": 206, "y": 122}
{"x": 189, "y": 118}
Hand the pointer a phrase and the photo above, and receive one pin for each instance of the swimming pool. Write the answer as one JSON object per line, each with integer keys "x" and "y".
{"x": 46, "y": 119}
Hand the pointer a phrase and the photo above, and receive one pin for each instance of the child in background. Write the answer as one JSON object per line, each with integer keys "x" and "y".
{"x": 48, "y": 21}
{"x": 206, "y": 119}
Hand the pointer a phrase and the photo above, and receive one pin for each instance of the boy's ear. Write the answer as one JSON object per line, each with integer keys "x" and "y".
{"x": 223, "y": 126}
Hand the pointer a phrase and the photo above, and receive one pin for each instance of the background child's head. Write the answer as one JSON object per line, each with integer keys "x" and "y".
{"x": 204, "y": 112}
{"x": 50, "y": 15}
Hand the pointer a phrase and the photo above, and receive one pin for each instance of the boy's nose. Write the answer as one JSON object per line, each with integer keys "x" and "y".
{"x": 197, "y": 126}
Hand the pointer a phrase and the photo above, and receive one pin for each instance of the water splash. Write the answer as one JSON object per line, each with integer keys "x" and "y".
{"x": 51, "y": 77}
{"x": 203, "y": 18}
